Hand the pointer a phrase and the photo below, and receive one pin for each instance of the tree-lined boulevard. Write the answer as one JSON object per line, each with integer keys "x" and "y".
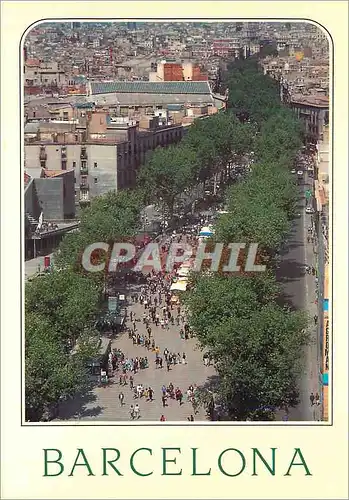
{"x": 261, "y": 348}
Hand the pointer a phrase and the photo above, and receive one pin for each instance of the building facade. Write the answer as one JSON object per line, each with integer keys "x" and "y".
{"x": 314, "y": 112}
{"x": 100, "y": 163}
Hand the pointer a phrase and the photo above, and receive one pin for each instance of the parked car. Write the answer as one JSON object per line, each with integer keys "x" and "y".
{"x": 309, "y": 210}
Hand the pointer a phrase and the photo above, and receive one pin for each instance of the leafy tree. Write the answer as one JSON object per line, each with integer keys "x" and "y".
{"x": 254, "y": 222}
{"x": 112, "y": 216}
{"x": 199, "y": 139}
{"x": 68, "y": 299}
{"x": 69, "y": 253}
{"x": 268, "y": 50}
{"x": 257, "y": 345}
{"x": 167, "y": 172}
{"x": 259, "y": 359}
{"x": 51, "y": 372}
{"x": 213, "y": 299}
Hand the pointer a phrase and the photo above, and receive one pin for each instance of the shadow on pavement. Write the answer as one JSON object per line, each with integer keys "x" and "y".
{"x": 289, "y": 270}
{"x": 91, "y": 412}
{"x": 76, "y": 408}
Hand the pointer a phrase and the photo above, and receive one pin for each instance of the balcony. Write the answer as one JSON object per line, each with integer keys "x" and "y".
{"x": 83, "y": 154}
{"x": 83, "y": 170}
{"x": 84, "y": 186}
{"x": 84, "y": 202}
{"x": 84, "y": 199}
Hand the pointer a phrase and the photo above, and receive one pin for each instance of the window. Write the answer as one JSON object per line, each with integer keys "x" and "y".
{"x": 95, "y": 165}
{"x": 74, "y": 164}
{"x": 96, "y": 180}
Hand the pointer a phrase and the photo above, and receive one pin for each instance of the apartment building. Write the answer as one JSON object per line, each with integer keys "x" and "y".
{"x": 177, "y": 72}
{"x": 313, "y": 110}
{"x": 225, "y": 47}
{"x": 39, "y": 73}
{"x": 104, "y": 155}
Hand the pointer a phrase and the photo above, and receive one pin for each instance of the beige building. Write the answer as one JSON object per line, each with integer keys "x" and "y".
{"x": 104, "y": 156}
{"x": 323, "y": 168}
{"x": 37, "y": 73}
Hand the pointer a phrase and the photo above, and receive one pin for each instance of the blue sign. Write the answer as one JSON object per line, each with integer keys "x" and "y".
{"x": 325, "y": 378}
{"x": 326, "y": 305}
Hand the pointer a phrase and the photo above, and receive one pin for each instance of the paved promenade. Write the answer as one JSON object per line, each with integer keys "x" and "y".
{"x": 34, "y": 266}
{"x": 103, "y": 403}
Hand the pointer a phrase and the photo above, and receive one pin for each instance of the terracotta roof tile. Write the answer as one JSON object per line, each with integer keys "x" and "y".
{"x": 55, "y": 173}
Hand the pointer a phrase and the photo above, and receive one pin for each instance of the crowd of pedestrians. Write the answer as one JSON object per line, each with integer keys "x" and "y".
{"x": 159, "y": 312}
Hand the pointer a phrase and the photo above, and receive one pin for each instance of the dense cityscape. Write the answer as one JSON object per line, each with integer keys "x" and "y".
{"x": 170, "y": 140}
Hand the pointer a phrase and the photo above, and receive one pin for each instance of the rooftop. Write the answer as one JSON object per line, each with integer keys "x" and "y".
{"x": 55, "y": 173}
{"x": 140, "y": 87}
{"x": 32, "y": 62}
{"x": 311, "y": 100}
{"x": 135, "y": 99}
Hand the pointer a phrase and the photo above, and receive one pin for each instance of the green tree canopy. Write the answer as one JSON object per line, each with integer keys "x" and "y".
{"x": 167, "y": 172}
{"x": 68, "y": 299}
{"x": 52, "y": 373}
{"x": 259, "y": 359}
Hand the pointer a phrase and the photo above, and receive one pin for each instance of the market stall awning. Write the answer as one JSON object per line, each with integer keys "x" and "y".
{"x": 183, "y": 271}
{"x": 179, "y": 286}
{"x": 206, "y": 231}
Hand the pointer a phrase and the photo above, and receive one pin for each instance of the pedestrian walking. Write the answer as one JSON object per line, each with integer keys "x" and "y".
{"x": 312, "y": 398}
{"x": 163, "y": 399}
{"x": 191, "y": 418}
{"x": 132, "y": 412}
{"x": 151, "y": 394}
{"x": 121, "y": 398}
{"x": 179, "y": 396}
{"x": 317, "y": 398}
{"x": 184, "y": 359}
{"x": 131, "y": 382}
{"x": 137, "y": 411}
{"x": 315, "y": 319}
